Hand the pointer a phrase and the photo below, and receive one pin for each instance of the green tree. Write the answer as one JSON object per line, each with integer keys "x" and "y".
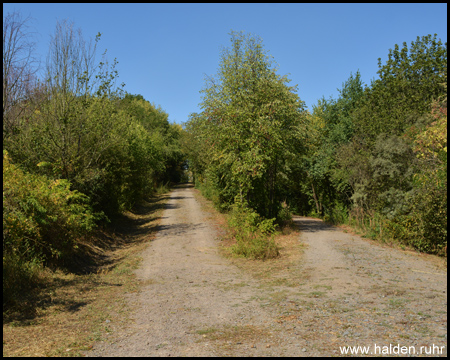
{"x": 429, "y": 205}
{"x": 330, "y": 127}
{"x": 408, "y": 82}
{"x": 400, "y": 98}
{"x": 251, "y": 119}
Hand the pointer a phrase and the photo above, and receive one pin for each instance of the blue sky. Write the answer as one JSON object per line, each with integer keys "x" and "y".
{"x": 165, "y": 50}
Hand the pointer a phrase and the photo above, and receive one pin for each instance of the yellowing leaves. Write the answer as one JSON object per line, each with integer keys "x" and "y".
{"x": 433, "y": 140}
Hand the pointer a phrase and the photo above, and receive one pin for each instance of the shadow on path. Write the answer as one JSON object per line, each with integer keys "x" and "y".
{"x": 312, "y": 225}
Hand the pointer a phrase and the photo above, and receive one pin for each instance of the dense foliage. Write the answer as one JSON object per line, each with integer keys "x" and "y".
{"x": 380, "y": 157}
{"x": 241, "y": 144}
{"x": 78, "y": 150}
{"x": 375, "y": 157}
{"x": 248, "y": 129}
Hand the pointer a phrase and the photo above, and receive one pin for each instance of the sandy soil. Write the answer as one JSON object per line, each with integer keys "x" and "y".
{"x": 344, "y": 291}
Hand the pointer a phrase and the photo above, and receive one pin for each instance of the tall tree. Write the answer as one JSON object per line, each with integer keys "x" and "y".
{"x": 19, "y": 68}
{"x": 330, "y": 126}
{"x": 252, "y": 118}
{"x": 408, "y": 82}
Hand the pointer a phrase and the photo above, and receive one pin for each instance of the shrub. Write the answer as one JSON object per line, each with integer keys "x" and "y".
{"x": 338, "y": 214}
{"x": 284, "y": 217}
{"x": 42, "y": 218}
{"x": 253, "y": 234}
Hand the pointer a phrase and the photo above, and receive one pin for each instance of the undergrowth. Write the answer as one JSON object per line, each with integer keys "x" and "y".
{"x": 62, "y": 313}
{"x": 402, "y": 230}
{"x": 254, "y": 235}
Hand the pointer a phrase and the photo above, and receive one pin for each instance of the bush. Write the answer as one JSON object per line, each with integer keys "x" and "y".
{"x": 284, "y": 217}
{"x": 42, "y": 218}
{"x": 253, "y": 234}
{"x": 338, "y": 214}
{"x": 209, "y": 192}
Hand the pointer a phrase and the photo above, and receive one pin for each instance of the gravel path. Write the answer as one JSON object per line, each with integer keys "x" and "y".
{"x": 345, "y": 291}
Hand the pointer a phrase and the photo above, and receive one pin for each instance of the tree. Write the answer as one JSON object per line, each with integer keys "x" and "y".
{"x": 429, "y": 205}
{"x": 408, "y": 82}
{"x": 70, "y": 131}
{"x": 19, "y": 69}
{"x": 330, "y": 127}
{"x": 250, "y": 121}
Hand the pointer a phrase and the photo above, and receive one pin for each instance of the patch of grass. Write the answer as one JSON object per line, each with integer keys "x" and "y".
{"x": 316, "y": 294}
{"x": 397, "y": 302}
{"x": 231, "y": 286}
{"x": 206, "y": 331}
{"x": 278, "y": 296}
{"x": 69, "y": 311}
{"x": 281, "y": 271}
{"x": 327, "y": 287}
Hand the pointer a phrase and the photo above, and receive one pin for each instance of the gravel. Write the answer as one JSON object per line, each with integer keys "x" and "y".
{"x": 353, "y": 292}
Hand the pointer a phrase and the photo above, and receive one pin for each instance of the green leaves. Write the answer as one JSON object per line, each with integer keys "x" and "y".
{"x": 408, "y": 82}
{"x": 42, "y": 218}
{"x": 248, "y": 124}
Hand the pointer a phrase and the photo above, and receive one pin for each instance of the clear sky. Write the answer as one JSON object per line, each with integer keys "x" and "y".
{"x": 165, "y": 50}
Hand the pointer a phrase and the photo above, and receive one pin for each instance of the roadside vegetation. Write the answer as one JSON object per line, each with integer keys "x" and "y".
{"x": 375, "y": 158}
{"x": 63, "y": 313}
{"x": 78, "y": 151}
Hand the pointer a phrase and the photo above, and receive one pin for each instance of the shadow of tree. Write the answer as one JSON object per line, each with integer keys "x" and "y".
{"x": 312, "y": 225}
{"x": 99, "y": 251}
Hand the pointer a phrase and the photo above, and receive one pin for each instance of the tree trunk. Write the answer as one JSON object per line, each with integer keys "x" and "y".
{"x": 315, "y": 199}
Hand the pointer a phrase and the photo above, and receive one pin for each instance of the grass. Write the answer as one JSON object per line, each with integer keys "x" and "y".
{"x": 72, "y": 310}
{"x": 316, "y": 294}
{"x": 207, "y": 331}
{"x": 231, "y": 286}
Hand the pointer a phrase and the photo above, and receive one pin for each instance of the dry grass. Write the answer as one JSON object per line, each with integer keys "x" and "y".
{"x": 228, "y": 336}
{"x": 70, "y": 311}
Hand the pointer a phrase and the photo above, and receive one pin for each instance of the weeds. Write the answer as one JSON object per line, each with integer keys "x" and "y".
{"x": 254, "y": 235}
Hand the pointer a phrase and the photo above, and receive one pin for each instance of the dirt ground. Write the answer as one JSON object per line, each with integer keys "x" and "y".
{"x": 342, "y": 291}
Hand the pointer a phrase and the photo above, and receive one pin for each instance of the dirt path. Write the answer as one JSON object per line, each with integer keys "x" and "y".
{"x": 345, "y": 291}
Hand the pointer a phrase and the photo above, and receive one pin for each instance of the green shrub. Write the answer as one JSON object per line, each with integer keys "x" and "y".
{"x": 338, "y": 214}
{"x": 210, "y": 193}
{"x": 284, "y": 216}
{"x": 253, "y": 234}
{"x": 42, "y": 218}
{"x": 162, "y": 189}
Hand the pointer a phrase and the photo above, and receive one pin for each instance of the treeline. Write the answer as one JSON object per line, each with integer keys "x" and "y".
{"x": 375, "y": 157}
{"x": 77, "y": 149}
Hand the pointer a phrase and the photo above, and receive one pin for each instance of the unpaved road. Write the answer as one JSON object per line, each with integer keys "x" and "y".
{"x": 345, "y": 291}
